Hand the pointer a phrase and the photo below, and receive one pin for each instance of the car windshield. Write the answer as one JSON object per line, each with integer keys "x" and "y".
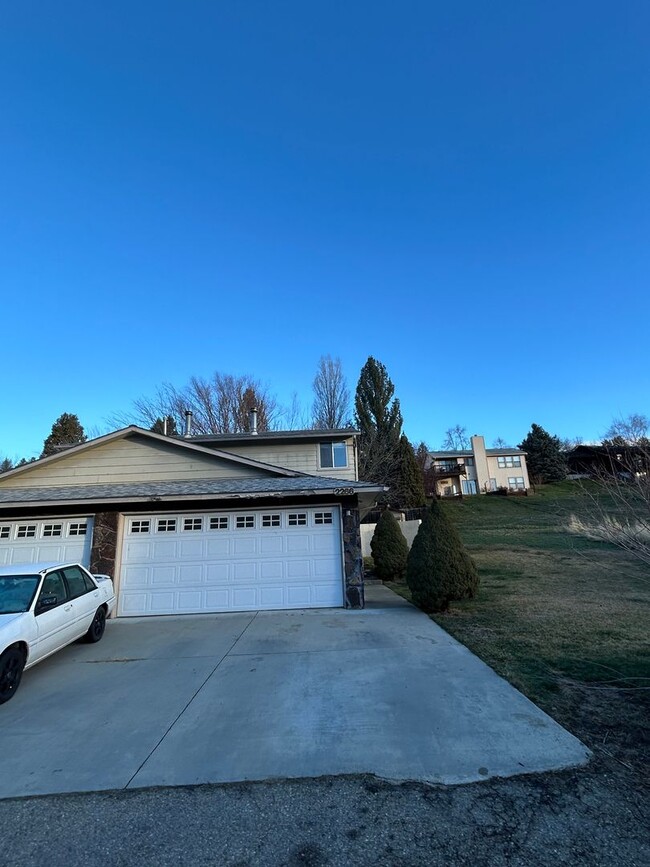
{"x": 17, "y": 592}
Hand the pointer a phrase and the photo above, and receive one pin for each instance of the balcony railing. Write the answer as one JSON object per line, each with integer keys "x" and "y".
{"x": 444, "y": 471}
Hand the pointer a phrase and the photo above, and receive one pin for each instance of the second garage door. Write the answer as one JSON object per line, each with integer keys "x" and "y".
{"x": 231, "y": 561}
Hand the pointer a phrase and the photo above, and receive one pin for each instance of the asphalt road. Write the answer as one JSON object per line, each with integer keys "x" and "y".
{"x": 592, "y": 816}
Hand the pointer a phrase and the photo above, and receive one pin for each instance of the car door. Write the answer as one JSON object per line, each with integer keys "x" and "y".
{"x": 53, "y": 617}
{"x": 84, "y": 597}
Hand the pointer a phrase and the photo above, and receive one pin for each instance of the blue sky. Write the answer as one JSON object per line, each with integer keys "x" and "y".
{"x": 460, "y": 190}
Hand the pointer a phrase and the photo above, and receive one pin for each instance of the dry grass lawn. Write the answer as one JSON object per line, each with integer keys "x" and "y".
{"x": 563, "y": 618}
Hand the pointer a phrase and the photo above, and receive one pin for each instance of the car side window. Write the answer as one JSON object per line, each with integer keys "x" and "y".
{"x": 76, "y": 581}
{"x": 53, "y": 586}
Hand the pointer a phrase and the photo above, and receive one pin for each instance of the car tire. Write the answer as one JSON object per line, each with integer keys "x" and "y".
{"x": 12, "y": 663}
{"x": 97, "y": 627}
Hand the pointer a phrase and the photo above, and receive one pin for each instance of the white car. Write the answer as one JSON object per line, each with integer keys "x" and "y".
{"x": 43, "y": 607}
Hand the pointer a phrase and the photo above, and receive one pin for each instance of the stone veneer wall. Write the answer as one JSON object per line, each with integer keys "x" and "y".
{"x": 354, "y": 596}
{"x": 104, "y": 547}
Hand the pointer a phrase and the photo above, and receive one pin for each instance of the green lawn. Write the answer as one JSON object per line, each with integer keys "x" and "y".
{"x": 563, "y": 618}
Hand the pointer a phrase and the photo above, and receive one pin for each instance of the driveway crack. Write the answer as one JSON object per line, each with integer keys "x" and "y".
{"x": 188, "y": 703}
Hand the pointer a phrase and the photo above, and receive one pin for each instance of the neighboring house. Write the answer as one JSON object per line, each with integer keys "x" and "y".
{"x": 476, "y": 470}
{"x": 606, "y": 461}
{"x": 198, "y": 524}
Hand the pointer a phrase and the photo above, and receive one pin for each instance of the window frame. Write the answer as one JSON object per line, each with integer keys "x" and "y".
{"x": 331, "y": 446}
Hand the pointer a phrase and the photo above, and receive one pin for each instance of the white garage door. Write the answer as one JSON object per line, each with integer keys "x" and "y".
{"x": 45, "y": 540}
{"x": 231, "y": 561}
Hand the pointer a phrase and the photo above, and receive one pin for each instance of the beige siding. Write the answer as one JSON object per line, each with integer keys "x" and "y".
{"x": 502, "y": 474}
{"x": 130, "y": 460}
{"x": 303, "y": 457}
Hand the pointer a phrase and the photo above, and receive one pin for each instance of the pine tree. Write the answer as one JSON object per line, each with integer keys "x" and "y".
{"x": 389, "y": 549}
{"x": 5, "y": 466}
{"x": 439, "y": 569}
{"x": 379, "y": 419}
{"x": 408, "y": 490}
{"x": 544, "y": 457}
{"x": 66, "y": 431}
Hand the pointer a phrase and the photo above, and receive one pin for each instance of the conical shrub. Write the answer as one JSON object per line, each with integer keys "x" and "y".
{"x": 389, "y": 549}
{"x": 439, "y": 569}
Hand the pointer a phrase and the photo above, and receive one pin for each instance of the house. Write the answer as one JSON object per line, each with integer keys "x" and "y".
{"x": 198, "y": 524}
{"x": 476, "y": 470}
{"x": 605, "y": 461}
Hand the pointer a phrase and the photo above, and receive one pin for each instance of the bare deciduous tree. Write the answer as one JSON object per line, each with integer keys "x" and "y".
{"x": 218, "y": 405}
{"x": 499, "y": 443}
{"x": 331, "y": 407}
{"x": 618, "y": 504}
{"x": 456, "y": 439}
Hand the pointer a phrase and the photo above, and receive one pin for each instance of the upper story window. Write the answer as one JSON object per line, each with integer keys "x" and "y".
{"x": 333, "y": 455}
{"x": 509, "y": 461}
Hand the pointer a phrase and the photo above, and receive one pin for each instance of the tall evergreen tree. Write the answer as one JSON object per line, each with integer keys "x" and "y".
{"x": 438, "y": 568}
{"x": 379, "y": 419}
{"x": 66, "y": 431}
{"x": 6, "y": 465}
{"x": 546, "y": 462}
{"x": 408, "y": 490}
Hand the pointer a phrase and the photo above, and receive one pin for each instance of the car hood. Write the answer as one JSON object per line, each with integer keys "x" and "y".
{"x": 10, "y": 622}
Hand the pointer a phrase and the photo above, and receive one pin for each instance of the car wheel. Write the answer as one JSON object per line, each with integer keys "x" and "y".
{"x": 12, "y": 663}
{"x": 97, "y": 627}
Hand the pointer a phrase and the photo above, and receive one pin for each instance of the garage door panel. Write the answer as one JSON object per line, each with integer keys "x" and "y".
{"x": 298, "y": 544}
{"x": 271, "y": 546}
{"x": 244, "y": 597}
{"x": 244, "y": 547}
{"x": 164, "y": 550}
{"x": 218, "y": 547}
{"x": 233, "y": 561}
{"x": 244, "y": 571}
{"x": 191, "y": 549}
{"x": 217, "y": 573}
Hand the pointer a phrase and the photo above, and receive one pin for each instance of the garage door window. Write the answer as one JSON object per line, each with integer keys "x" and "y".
{"x": 50, "y": 530}
{"x": 26, "y": 531}
{"x": 190, "y": 524}
{"x": 220, "y": 523}
{"x": 271, "y": 521}
{"x": 78, "y": 529}
{"x": 136, "y": 527}
{"x": 166, "y": 525}
{"x": 4, "y": 532}
{"x": 245, "y": 522}
{"x": 322, "y": 517}
{"x": 298, "y": 519}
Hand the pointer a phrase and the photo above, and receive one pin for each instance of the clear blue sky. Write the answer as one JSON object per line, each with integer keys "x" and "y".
{"x": 459, "y": 189}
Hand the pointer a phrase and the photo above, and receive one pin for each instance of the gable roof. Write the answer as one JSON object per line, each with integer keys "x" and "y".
{"x": 134, "y": 430}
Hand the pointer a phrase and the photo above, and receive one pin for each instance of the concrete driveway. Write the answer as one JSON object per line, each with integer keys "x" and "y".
{"x": 216, "y": 698}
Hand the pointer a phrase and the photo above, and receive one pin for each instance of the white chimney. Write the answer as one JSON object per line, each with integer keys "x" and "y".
{"x": 188, "y": 422}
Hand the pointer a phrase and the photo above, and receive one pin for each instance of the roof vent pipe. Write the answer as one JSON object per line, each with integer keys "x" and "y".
{"x": 252, "y": 420}
{"x": 188, "y": 422}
